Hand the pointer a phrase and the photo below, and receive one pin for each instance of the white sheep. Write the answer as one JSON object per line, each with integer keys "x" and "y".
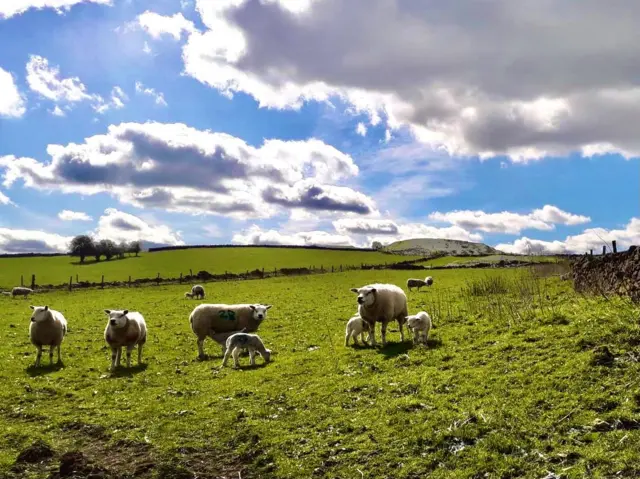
{"x": 125, "y": 329}
{"x": 418, "y": 283}
{"x": 381, "y": 303}
{"x": 48, "y": 328}
{"x": 197, "y": 291}
{"x": 212, "y": 320}
{"x": 356, "y": 326}
{"x": 243, "y": 341}
{"x": 420, "y": 323}
{"x": 19, "y": 291}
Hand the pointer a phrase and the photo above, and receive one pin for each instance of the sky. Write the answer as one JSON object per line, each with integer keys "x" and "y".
{"x": 324, "y": 122}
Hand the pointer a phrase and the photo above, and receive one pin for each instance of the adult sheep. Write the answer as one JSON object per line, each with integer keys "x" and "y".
{"x": 197, "y": 291}
{"x": 382, "y": 303}
{"x": 20, "y": 291}
{"x": 126, "y": 329}
{"x": 48, "y": 328}
{"x": 219, "y": 321}
{"x": 419, "y": 283}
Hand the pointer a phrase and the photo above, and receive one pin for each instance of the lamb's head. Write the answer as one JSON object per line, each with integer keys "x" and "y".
{"x": 266, "y": 355}
{"x": 260, "y": 311}
{"x": 117, "y": 317}
{"x": 40, "y": 314}
{"x": 412, "y": 321}
{"x": 366, "y": 295}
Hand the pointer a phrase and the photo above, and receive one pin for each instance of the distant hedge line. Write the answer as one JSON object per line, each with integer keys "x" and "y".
{"x": 327, "y": 248}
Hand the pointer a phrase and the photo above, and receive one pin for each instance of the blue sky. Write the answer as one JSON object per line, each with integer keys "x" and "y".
{"x": 283, "y": 122}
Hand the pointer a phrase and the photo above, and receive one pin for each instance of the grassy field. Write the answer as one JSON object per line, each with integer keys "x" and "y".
{"x": 58, "y": 269}
{"x": 446, "y": 260}
{"x": 515, "y": 383}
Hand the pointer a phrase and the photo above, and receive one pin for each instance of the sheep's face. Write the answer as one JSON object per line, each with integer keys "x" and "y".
{"x": 40, "y": 313}
{"x": 117, "y": 318}
{"x": 412, "y": 321}
{"x": 366, "y": 296}
{"x": 260, "y": 311}
{"x": 266, "y": 355}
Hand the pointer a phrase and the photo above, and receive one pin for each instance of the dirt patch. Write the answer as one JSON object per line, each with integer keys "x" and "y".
{"x": 91, "y": 430}
{"x": 602, "y": 357}
{"x": 75, "y": 465}
{"x": 38, "y": 452}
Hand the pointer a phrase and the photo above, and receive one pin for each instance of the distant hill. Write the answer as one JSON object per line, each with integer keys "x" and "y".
{"x": 432, "y": 246}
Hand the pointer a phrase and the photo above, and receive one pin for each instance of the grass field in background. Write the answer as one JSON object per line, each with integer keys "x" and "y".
{"x": 58, "y": 269}
{"x": 446, "y": 260}
{"x": 515, "y": 384}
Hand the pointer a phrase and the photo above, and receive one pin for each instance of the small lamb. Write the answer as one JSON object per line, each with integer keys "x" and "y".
{"x": 356, "y": 326}
{"x": 239, "y": 341}
{"x": 197, "y": 291}
{"x": 420, "y": 323}
{"x": 418, "y": 283}
{"x": 48, "y": 328}
{"x": 125, "y": 329}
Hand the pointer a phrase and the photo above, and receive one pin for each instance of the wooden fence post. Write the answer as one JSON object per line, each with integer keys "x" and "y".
{"x": 615, "y": 246}
{"x": 77, "y": 279}
{"x": 190, "y": 272}
{"x": 70, "y": 282}
{"x": 33, "y": 281}
{"x": 21, "y": 280}
{"x": 180, "y": 278}
{"x": 102, "y": 282}
{"x": 129, "y": 280}
{"x": 158, "y": 280}
{"x": 604, "y": 249}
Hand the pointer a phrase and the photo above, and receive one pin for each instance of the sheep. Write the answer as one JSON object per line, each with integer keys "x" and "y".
{"x": 48, "y": 328}
{"x": 19, "y": 291}
{"x": 196, "y": 291}
{"x": 418, "y": 283}
{"x": 125, "y": 329}
{"x": 239, "y": 341}
{"x": 214, "y": 319}
{"x": 381, "y": 303}
{"x": 356, "y": 326}
{"x": 420, "y": 323}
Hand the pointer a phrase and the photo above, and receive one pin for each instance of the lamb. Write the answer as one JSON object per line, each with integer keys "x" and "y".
{"x": 197, "y": 291}
{"x": 420, "y": 323}
{"x": 213, "y": 320}
{"x": 381, "y": 303}
{"x": 48, "y": 328}
{"x": 19, "y": 291}
{"x": 125, "y": 329}
{"x": 418, "y": 283}
{"x": 356, "y": 326}
{"x": 239, "y": 341}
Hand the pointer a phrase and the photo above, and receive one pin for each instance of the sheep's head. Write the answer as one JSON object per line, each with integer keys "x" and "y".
{"x": 266, "y": 355}
{"x": 428, "y": 280}
{"x": 366, "y": 295}
{"x": 412, "y": 321}
{"x": 117, "y": 317}
{"x": 260, "y": 311}
{"x": 40, "y": 313}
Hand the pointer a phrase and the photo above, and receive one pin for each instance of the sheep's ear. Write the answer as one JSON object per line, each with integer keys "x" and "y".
{"x": 32, "y": 307}
{"x": 269, "y": 306}
{"x": 252, "y": 306}
{"x": 354, "y": 290}
{"x": 108, "y": 311}
{"x": 374, "y": 290}
{"x": 126, "y": 311}
{"x": 46, "y": 308}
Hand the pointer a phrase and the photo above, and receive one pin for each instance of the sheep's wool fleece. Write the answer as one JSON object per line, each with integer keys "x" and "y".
{"x": 391, "y": 303}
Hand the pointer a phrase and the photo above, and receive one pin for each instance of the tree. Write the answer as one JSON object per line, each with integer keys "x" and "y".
{"x": 108, "y": 248}
{"x": 135, "y": 247}
{"x": 123, "y": 247}
{"x": 82, "y": 246}
{"x": 376, "y": 245}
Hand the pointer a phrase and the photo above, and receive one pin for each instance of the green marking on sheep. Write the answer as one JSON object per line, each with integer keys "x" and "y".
{"x": 228, "y": 315}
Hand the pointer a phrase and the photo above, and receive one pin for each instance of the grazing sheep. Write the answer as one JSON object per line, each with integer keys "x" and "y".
{"x": 48, "y": 328}
{"x": 381, "y": 303}
{"x": 356, "y": 326}
{"x": 197, "y": 291}
{"x": 420, "y": 323}
{"x": 239, "y": 341}
{"x": 418, "y": 283}
{"x": 213, "y": 319}
{"x": 19, "y": 291}
{"x": 125, "y": 329}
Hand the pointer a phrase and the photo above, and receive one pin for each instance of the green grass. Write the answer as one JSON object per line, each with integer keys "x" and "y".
{"x": 446, "y": 260}
{"x": 58, "y": 269}
{"x": 511, "y": 385}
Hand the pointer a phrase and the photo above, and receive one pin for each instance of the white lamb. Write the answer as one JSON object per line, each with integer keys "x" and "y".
{"x": 418, "y": 283}
{"x": 197, "y": 291}
{"x": 125, "y": 329}
{"x": 381, "y": 303}
{"x": 48, "y": 328}
{"x": 420, "y": 323}
{"x": 356, "y": 326}
{"x": 243, "y": 341}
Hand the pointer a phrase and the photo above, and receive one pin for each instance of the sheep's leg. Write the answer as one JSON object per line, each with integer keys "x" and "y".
{"x": 355, "y": 340}
{"x": 416, "y": 336}
{"x": 59, "y": 357}
{"x": 236, "y": 355}
{"x": 51, "y": 354}
{"x": 362, "y": 338}
{"x": 38, "y": 356}
{"x": 384, "y": 333}
{"x": 372, "y": 334}
{"x": 129, "y": 349}
{"x": 114, "y": 357}
{"x": 346, "y": 338}
{"x": 252, "y": 356}
{"x": 201, "y": 354}
{"x": 118, "y": 356}
{"x": 227, "y": 353}
{"x": 401, "y": 326}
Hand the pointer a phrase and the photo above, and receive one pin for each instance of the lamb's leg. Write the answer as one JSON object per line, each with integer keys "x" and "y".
{"x": 129, "y": 349}
{"x": 355, "y": 340}
{"x": 416, "y": 336}
{"x": 236, "y": 355}
{"x": 227, "y": 353}
{"x": 201, "y": 354}
{"x": 252, "y": 356}
{"x": 114, "y": 358}
{"x": 38, "y": 356}
{"x": 346, "y": 338}
{"x": 51, "y": 354}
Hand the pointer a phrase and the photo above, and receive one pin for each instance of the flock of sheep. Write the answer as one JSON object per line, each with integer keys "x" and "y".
{"x": 232, "y": 325}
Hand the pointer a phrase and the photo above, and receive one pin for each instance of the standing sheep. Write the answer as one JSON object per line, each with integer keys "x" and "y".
{"x": 197, "y": 291}
{"x": 212, "y": 320}
{"x": 19, "y": 291}
{"x": 381, "y": 303}
{"x": 239, "y": 341}
{"x": 48, "y": 328}
{"x": 420, "y": 323}
{"x": 356, "y": 326}
{"x": 125, "y": 329}
{"x": 418, "y": 283}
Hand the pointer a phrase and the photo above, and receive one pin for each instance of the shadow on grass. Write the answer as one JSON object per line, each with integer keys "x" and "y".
{"x": 125, "y": 372}
{"x": 93, "y": 261}
{"x": 391, "y": 350}
{"x": 34, "y": 371}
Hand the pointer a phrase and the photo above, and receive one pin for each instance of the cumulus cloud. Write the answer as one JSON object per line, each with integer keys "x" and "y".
{"x": 256, "y": 236}
{"x": 490, "y": 79}
{"x": 157, "y": 25}
{"x": 178, "y": 168}
{"x": 5, "y": 200}
{"x": 67, "y": 215}
{"x": 119, "y": 226}
{"x": 158, "y": 97}
{"x": 9, "y": 8}
{"x": 543, "y": 219}
{"x": 364, "y": 226}
{"x": 45, "y": 80}
{"x": 361, "y": 129}
{"x": 592, "y": 238}
{"x": 32, "y": 241}
{"x": 12, "y": 103}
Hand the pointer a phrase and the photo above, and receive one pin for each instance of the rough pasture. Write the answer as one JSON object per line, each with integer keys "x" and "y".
{"x": 486, "y": 398}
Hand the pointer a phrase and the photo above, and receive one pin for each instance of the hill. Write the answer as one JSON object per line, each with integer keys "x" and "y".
{"x": 432, "y": 246}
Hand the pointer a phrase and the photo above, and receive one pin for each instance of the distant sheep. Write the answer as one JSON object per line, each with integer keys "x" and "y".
{"x": 239, "y": 341}
{"x": 381, "y": 303}
{"x": 18, "y": 291}
{"x": 420, "y": 324}
{"x": 126, "y": 329}
{"x": 356, "y": 326}
{"x": 48, "y": 328}
{"x": 197, "y": 291}
{"x": 212, "y": 320}
{"x": 418, "y": 283}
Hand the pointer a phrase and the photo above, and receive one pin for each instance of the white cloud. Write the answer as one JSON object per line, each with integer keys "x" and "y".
{"x": 5, "y": 200}
{"x": 501, "y": 78}
{"x": 46, "y": 81}
{"x": 256, "y": 236}
{"x": 67, "y": 215}
{"x": 119, "y": 226}
{"x": 157, "y": 25}
{"x": 592, "y": 238}
{"x": 12, "y": 103}
{"x": 32, "y": 241}
{"x": 542, "y": 219}
{"x": 178, "y": 168}
{"x": 361, "y": 129}
{"x": 158, "y": 97}
{"x": 117, "y": 101}
{"x": 57, "y": 111}
{"x": 9, "y": 8}
{"x": 365, "y": 226}
{"x": 147, "y": 49}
